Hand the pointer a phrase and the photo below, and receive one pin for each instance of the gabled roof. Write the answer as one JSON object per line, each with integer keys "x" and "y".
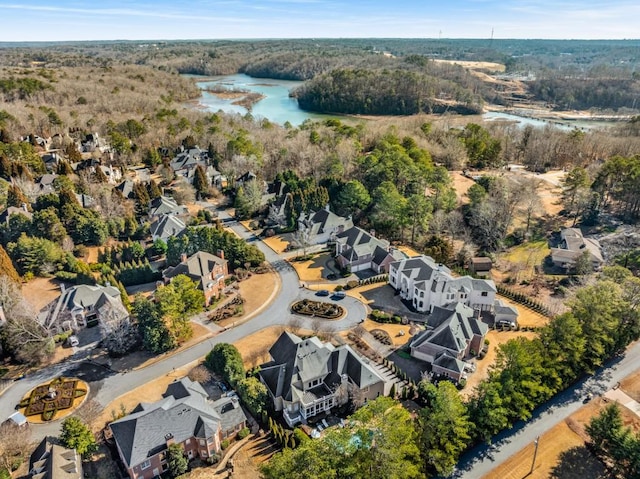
{"x": 418, "y": 268}
{"x": 198, "y": 267}
{"x": 126, "y": 188}
{"x": 165, "y": 205}
{"x": 144, "y": 433}
{"x": 447, "y": 361}
{"x": 451, "y": 328}
{"x": 14, "y": 210}
{"x": 189, "y": 160}
{"x": 297, "y": 361}
{"x": 167, "y": 226}
{"x": 52, "y": 461}
{"x": 359, "y": 243}
{"x": 573, "y": 244}
{"x": 230, "y": 412}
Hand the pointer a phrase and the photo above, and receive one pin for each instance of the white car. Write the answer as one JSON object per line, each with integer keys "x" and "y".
{"x": 73, "y": 341}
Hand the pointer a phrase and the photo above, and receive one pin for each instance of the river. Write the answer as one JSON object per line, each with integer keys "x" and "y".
{"x": 277, "y": 106}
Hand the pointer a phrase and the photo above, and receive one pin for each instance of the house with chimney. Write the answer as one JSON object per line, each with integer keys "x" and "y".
{"x": 358, "y": 250}
{"x": 322, "y": 226}
{"x": 207, "y": 270}
{"x": 307, "y": 377}
{"x": 83, "y": 306}
{"x": 452, "y": 334}
{"x": 50, "y": 460}
{"x": 185, "y": 416}
{"x": 573, "y": 245}
{"x": 427, "y": 285}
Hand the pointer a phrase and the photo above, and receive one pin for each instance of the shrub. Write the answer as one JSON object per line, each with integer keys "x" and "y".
{"x": 339, "y": 288}
{"x": 243, "y": 433}
{"x": 225, "y": 444}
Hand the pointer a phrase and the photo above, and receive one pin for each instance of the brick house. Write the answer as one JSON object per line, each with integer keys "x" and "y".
{"x": 185, "y": 416}
{"x": 207, "y": 270}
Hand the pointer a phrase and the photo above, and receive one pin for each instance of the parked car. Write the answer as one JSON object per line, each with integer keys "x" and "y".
{"x": 339, "y": 295}
{"x": 323, "y": 292}
{"x": 73, "y": 341}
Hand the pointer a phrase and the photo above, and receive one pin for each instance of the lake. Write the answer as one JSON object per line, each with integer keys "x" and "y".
{"x": 277, "y": 106}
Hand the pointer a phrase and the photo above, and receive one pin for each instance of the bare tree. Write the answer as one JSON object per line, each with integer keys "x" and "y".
{"x": 119, "y": 332}
{"x": 295, "y": 325}
{"x": 26, "y": 338}
{"x": 89, "y": 412}
{"x": 530, "y": 204}
{"x": 184, "y": 193}
{"x": 316, "y": 326}
{"x": 15, "y": 441}
{"x": 200, "y": 374}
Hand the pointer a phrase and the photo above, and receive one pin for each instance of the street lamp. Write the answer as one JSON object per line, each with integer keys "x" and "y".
{"x": 535, "y": 453}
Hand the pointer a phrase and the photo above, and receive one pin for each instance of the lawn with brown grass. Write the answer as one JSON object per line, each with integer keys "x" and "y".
{"x": 39, "y": 292}
{"x": 308, "y": 271}
{"x": 276, "y": 243}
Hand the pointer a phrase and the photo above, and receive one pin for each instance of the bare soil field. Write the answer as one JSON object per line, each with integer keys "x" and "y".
{"x": 491, "y": 66}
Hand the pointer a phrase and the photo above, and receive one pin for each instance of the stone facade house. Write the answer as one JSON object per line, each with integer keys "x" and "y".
{"x": 184, "y": 416}
{"x": 359, "y": 250}
{"x": 308, "y": 377}
{"x": 84, "y": 305}
{"x": 452, "y": 335}
{"x": 207, "y": 270}
{"x": 322, "y": 226}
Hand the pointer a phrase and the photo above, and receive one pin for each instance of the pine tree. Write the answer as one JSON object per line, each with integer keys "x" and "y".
{"x": 200, "y": 182}
{"x": 15, "y": 197}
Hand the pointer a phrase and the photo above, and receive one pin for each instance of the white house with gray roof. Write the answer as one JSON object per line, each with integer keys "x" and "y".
{"x": 428, "y": 284}
{"x": 308, "y": 377}
{"x": 184, "y": 416}
{"x": 573, "y": 245}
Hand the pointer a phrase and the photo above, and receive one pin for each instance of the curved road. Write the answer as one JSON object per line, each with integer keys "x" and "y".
{"x": 276, "y": 313}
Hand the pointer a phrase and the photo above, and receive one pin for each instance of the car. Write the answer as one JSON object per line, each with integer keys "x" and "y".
{"x": 332, "y": 276}
{"x": 323, "y": 292}
{"x": 73, "y": 341}
{"x": 222, "y": 387}
{"x": 339, "y": 295}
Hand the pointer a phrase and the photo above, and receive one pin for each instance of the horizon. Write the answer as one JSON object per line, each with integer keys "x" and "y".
{"x": 201, "y": 20}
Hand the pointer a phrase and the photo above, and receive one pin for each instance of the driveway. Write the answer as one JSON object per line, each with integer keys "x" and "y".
{"x": 277, "y": 313}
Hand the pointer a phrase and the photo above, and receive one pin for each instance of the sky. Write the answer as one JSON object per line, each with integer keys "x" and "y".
{"x": 62, "y": 20}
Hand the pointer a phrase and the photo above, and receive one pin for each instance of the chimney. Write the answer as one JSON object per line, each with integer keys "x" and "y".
{"x": 221, "y": 254}
{"x": 169, "y": 439}
{"x": 183, "y": 258}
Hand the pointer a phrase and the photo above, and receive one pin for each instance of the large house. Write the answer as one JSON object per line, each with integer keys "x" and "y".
{"x": 165, "y": 205}
{"x": 452, "y": 335}
{"x": 84, "y": 305}
{"x": 207, "y": 270}
{"x": 52, "y": 461}
{"x": 308, "y": 377}
{"x": 184, "y": 416}
{"x": 184, "y": 165}
{"x": 166, "y": 226}
{"x": 572, "y": 246}
{"x": 322, "y": 226}
{"x": 427, "y": 285}
{"x": 358, "y": 250}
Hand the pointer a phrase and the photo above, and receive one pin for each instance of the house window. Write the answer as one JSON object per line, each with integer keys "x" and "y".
{"x": 202, "y": 443}
{"x": 484, "y": 293}
{"x": 187, "y": 442}
{"x": 204, "y": 454}
{"x": 145, "y": 465}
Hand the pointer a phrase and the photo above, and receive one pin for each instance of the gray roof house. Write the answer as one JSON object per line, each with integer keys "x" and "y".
{"x": 5, "y": 216}
{"x": 52, "y": 461}
{"x": 572, "y": 245}
{"x": 165, "y": 205}
{"x": 184, "y": 416}
{"x": 360, "y": 250}
{"x": 207, "y": 270}
{"x": 84, "y": 305}
{"x": 166, "y": 226}
{"x": 456, "y": 331}
{"x": 428, "y": 284}
{"x": 184, "y": 164}
{"x": 323, "y": 225}
{"x": 308, "y": 377}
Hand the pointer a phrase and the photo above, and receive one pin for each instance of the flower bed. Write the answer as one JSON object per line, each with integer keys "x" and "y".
{"x": 320, "y": 309}
{"x": 47, "y": 399}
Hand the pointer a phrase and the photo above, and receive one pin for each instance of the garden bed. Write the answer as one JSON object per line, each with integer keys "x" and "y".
{"x": 48, "y": 399}
{"x": 318, "y": 309}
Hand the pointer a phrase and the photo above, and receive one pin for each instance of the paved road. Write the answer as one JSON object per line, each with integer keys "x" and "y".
{"x": 483, "y": 459}
{"x": 276, "y": 313}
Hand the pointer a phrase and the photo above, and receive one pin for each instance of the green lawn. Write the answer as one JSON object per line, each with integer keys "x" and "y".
{"x": 527, "y": 255}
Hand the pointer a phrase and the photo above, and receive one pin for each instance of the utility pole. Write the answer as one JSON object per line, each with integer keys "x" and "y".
{"x": 535, "y": 453}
